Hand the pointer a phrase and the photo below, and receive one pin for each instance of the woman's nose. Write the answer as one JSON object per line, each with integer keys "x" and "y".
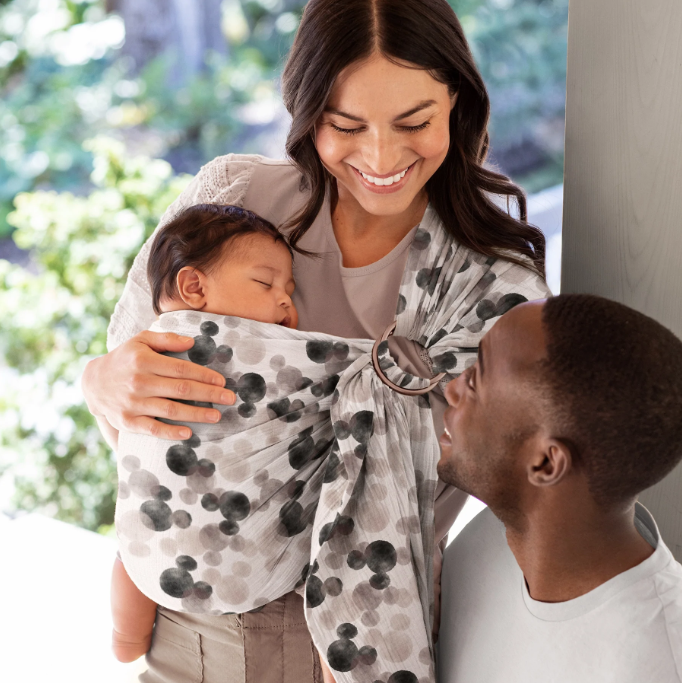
{"x": 381, "y": 154}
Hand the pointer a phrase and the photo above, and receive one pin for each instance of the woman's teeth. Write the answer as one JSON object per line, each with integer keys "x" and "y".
{"x": 380, "y": 182}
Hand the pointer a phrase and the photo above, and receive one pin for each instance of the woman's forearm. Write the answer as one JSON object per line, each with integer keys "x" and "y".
{"x": 109, "y": 433}
{"x": 327, "y": 676}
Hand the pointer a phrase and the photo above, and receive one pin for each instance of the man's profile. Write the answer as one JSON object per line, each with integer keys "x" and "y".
{"x": 573, "y": 408}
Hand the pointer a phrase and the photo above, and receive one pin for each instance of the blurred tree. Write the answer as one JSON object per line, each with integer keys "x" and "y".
{"x": 520, "y": 47}
{"x": 184, "y": 32}
{"x": 64, "y": 78}
{"x": 55, "y": 320}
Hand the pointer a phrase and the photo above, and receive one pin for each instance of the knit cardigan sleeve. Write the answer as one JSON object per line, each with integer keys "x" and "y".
{"x": 222, "y": 181}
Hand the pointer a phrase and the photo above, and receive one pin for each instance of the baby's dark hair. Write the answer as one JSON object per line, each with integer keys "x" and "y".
{"x": 196, "y": 238}
{"x": 615, "y": 392}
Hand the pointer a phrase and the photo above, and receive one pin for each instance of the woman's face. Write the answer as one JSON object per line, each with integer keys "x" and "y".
{"x": 384, "y": 132}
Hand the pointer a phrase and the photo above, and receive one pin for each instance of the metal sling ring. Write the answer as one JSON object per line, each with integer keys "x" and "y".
{"x": 400, "y": 390}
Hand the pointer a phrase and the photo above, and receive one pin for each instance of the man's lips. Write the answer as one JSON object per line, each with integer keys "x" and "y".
{"x": 445, "y": 438}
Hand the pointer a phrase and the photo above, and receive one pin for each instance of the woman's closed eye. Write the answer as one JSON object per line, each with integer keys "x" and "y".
{"x": 346, "y": 131}
{"x": 405, "y": 129}
{"x": 415, "y": 129}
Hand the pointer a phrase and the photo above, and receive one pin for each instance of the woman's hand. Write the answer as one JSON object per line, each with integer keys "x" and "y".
{"x": 133, "y": 384}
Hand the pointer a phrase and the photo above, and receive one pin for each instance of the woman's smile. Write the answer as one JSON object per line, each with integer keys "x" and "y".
{"x": 384, "y": 184}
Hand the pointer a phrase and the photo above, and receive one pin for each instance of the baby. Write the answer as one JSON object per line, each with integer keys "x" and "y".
{"x": 217, "y": 259}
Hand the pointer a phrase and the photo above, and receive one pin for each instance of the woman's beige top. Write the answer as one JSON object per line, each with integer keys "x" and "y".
{"x": 330, "y": 298}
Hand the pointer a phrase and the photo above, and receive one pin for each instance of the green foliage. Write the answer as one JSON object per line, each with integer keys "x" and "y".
{"x": 60, "y": 85}
{"x": 55, "y": 321}
{"x": 520, "y": 47}
{"x": 55, "y": 88}
{"x": 63, "y": 82}
{"x": 202, "y": 119}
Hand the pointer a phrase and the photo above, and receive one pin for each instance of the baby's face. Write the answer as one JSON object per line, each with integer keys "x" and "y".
{"x": 254, "y": 281}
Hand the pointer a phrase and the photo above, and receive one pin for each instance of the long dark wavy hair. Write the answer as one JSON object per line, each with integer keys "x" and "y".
{"x": 426, "y": 33}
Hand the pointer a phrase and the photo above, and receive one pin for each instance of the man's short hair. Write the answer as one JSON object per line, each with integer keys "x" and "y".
{"x": 197, "y": 238}
{"x": 615, "y": 391}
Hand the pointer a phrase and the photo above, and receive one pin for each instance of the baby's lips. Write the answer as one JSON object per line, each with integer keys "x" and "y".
{"x": 286, "y": 322}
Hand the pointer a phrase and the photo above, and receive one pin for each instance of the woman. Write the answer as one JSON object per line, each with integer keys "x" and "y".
{"x": 389, "y": 115}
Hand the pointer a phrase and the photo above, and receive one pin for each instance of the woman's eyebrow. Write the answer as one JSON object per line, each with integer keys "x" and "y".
{"x": 422, "y": 105}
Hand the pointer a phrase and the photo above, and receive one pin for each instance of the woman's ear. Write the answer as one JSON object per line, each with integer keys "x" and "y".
{"x": 551, "y": 464}
{"x": 453, "y": 99}
{"x": 192, "y": 287}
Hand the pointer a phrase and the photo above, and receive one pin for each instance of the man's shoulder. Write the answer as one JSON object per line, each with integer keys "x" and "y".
{"x": 667, "y": 606}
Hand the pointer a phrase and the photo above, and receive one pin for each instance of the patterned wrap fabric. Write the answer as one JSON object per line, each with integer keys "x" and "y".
{"x": 320, "y": 477}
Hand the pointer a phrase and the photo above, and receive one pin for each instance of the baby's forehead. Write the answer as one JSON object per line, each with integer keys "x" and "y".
{"x": 257, "y": 247}
{"x": 255, "y": 251}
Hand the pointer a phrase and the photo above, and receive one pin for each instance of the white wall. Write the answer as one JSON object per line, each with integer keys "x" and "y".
{"x": 622, "y": 227}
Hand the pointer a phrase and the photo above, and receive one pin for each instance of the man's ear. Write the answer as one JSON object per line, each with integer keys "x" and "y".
{"x": 550, "y": 465}
{"x": 192, "y": 287}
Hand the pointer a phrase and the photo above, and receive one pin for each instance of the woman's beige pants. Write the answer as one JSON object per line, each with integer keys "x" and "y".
{"x": 270, "y": 646}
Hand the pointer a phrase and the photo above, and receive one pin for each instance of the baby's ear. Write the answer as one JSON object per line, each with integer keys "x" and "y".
{"x": 192, "y": 286}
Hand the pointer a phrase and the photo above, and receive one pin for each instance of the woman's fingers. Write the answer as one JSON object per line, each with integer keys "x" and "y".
{"x": 173, "y": 378}
{"x": 183, "y": 390}
{"x": 130, "y": 386}
{"x": 150, "y": 360}
{"x": 180, "y": 412}
{"x": 147, "y": 425}
{"x": 164, "y": 341}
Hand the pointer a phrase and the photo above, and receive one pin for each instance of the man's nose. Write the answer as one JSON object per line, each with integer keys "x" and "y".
{"x": 453, "y": 390}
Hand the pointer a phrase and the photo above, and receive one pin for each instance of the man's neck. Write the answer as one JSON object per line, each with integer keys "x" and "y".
{"x": 566, "y": 553}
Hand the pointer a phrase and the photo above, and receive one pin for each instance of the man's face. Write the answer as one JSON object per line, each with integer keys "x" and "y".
{"x": 492, "y": 411}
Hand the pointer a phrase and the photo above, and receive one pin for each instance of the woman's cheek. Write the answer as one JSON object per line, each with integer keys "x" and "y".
{"x": 434, "y": 145}
{"x": 331, "y": 149}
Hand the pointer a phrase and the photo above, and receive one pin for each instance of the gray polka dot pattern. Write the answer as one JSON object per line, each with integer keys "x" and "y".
{"x": 319, "y": 477}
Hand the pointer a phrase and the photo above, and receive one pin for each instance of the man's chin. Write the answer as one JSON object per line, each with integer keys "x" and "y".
{"x": 449, "y": 473}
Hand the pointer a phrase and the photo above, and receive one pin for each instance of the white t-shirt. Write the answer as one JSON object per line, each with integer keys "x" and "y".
{"x": 628, "y": 630}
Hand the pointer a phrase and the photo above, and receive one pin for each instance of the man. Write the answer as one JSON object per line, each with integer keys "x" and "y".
{"x": 573, "y": 407}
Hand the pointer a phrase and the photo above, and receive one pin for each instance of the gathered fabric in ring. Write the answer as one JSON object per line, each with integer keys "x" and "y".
{"x": 376, "y": 363}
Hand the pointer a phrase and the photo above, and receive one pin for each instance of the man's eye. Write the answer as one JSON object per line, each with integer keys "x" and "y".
{"x": 470, "y": 380}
